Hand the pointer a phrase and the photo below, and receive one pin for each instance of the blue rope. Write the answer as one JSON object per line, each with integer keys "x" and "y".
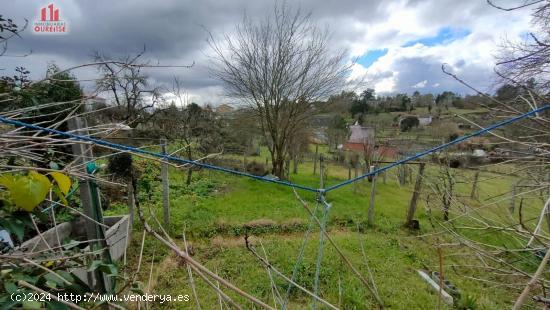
{"x": 437, "y": 148}
{"x": 285, "y": 183}
{"x": 150, "y": 153}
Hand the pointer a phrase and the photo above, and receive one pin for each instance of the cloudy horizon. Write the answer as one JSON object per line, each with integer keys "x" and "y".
{"x": 399, "y": 46}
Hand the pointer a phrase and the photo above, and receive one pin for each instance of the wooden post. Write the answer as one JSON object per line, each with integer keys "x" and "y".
{"x": 401, "y": 174}
{"x": 165, "y": 188}
{"x": 372, "y": 194}
{"x": 94, "y": 231}
{"x": 473, "y": 194}
{"x": 416, "y": 194}
{"x": 315, "y": 159}
{"x": 349, "y": 171}
{"x": 84, "y": 154}
{"x": 367, "y": 170}
{"x": 131, "y": 202}
{"x": 322, "y": 170}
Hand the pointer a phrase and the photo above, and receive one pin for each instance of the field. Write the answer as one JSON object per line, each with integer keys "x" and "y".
{"x": 217, "y": 211}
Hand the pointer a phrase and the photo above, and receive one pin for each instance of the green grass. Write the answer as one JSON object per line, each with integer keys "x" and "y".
{"x": 394, "y": 271}
{"x": 217, "y": 210}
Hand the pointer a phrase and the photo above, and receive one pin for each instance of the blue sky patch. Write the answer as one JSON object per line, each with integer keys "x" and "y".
{"x": 371, "y": 56}
{"x": 444, "y": 35}
{"x": 526, "y": 36}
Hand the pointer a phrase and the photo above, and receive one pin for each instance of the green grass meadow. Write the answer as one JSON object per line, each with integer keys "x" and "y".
{"x": 217, "y": 210}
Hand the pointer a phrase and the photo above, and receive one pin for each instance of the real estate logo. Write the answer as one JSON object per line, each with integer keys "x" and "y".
{"x": 49, "y": 22}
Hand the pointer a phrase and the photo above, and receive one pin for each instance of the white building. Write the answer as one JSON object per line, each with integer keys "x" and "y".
{"x": 425, "y": 120}
{"x": 360, "y": 134}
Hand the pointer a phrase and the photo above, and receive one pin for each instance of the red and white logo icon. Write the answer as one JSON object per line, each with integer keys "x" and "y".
{"x": 49, "y": 22}
{"x": 54, "y": 13}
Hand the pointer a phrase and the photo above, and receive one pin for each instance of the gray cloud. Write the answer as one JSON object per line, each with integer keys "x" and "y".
{"x": 172, "y": 31}
{"x": 415, "y": 70}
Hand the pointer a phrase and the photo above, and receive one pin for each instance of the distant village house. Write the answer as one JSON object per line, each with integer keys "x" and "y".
{"x": 224, "y": 109}
{"x": 423, "y": 120}
{"x": 362, "y": 138}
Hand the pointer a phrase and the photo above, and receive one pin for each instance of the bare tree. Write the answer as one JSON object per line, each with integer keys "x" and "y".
{"x": 299, "y": 145}
{"x": 279, "y": 66}
{"x": 9, "y": 29}
{"x": 197, "y": 130}
{"x": 529, "y": 60}
{"x": 136, "y": 99}
{"x": 445, "y": 186}
{"x": 525, "y": 148}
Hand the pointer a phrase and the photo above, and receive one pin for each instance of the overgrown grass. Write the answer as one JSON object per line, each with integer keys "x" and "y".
{"x": 217, "y": 210}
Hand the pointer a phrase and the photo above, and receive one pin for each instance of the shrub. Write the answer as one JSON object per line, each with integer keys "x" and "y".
{"x": 453, "y": 137}
{"x": 120, "y": 165}
{"x": 455, "y": 163}
{"x": 408, "y": 123}
{"x": 256, "y": 168}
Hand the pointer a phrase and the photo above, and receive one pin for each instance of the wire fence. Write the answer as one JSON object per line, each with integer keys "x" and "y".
{"x": 321, "y": 205}
{"x": 169, "y": 158}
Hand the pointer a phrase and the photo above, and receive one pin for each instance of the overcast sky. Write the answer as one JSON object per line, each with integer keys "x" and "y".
{"x": 400, "y": 44}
